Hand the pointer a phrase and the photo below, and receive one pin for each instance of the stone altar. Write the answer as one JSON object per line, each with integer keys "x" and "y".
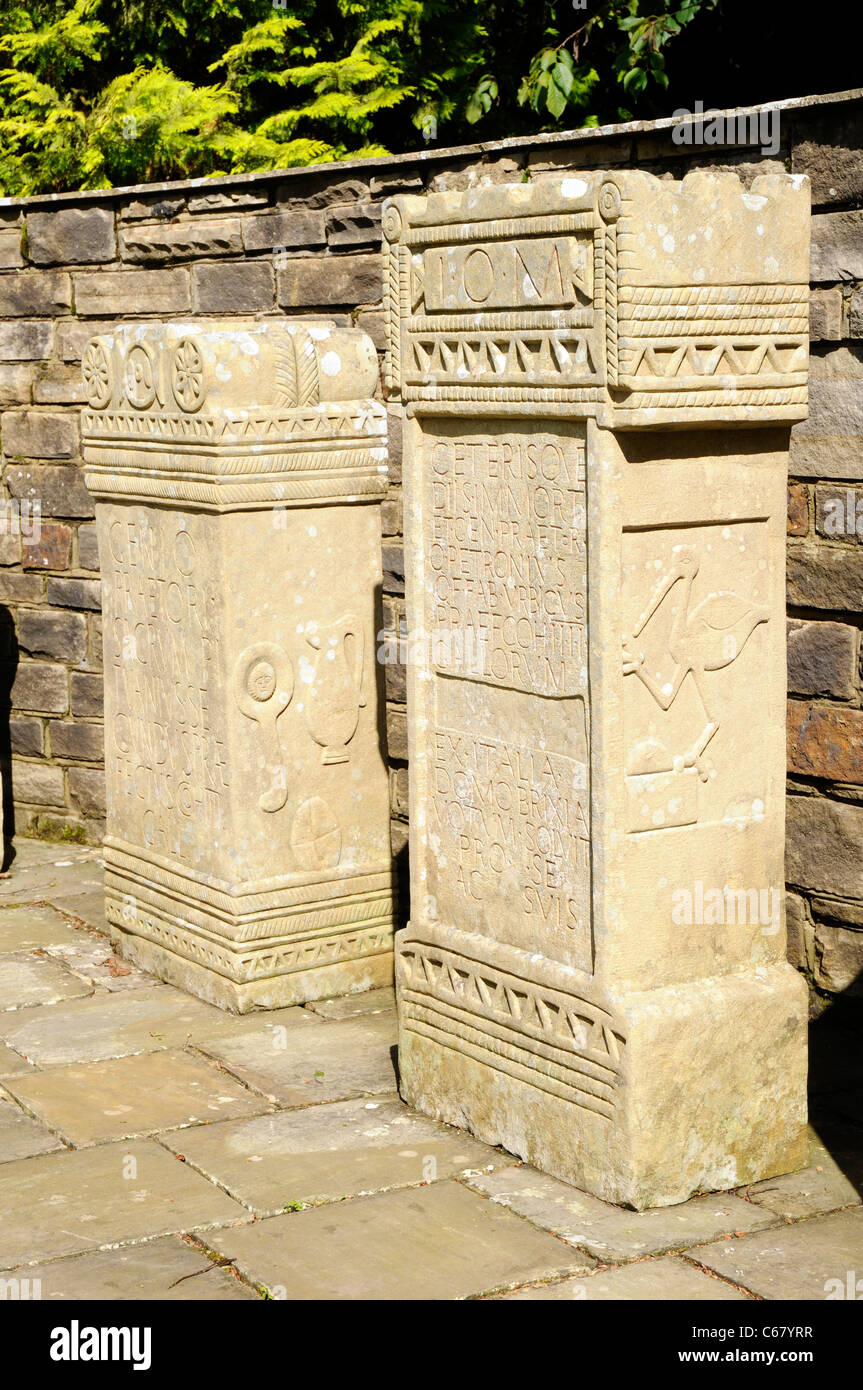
{"x": 598, "y": 375}
{"x": 235, "y": 468}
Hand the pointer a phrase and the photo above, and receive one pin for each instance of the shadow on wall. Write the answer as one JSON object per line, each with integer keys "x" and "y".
{"x": 836, "y": 1080}
{"x": 8, "y": 668}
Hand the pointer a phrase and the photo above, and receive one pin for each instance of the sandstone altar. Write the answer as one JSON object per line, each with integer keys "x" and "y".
{"x": 236, "y": 469}
{"x": 599, "y": 374}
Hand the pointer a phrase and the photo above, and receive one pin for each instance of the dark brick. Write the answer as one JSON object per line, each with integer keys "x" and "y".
{"x": 87, "y": 694}
{"x": 132, "y": 292}
{"x": 21, "y": 588}
{"x": 292, "y": 230}
{"x": 798, "y": 510}
{"x": 39, "y": 434}
{"x": 70, "y": 236}
{"x": 26, "y": 736}
{"x": 88, "y": 548}
{"x": 824, "y": 845}
{"x": 825, "y": 316}
{"x": 822, "y": 576}
{"x": 75, "y": 593}
{"x": 51, "y": 550}
{"x": 60, "y": 490}
{"x": 397, "y": 734}
{"x": 41, "y": 688}
{"x": 233, "y": 288}
{"x": 84, "y": 742}
{"x": 394, "y": 569}
{"x": 34, "y": 293}
{"x": 25, "y": 341}
{"x": 61, "y": 636}
{"x": 87, "y": 786}
{"x": 358, "y": 224}
{"x": 839, "y": 511}
{"x": 822, "y": 659}
{"x": 825, "y": 741}
{"x": 37, "y": 783}
{"x": 307, "y": 281}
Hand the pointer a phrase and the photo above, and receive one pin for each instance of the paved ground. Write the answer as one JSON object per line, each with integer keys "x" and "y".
{"x": 146, "y": 1137}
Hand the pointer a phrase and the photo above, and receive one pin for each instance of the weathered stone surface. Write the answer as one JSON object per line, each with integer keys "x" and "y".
{"x": 828, "y": 152}
{"x": 82, "y": 741}
{"x": 86, "y": 694}
{"x": 808, "y": 1261}
{"x": 40, "y": 687}
{"x": 837, "y": 246}
{"x": 323, "y": 280}
{"x": 177, "y": 241}
{"x": 162, "y": 206}
{"x": 823, "y": 576}
{"x": 60, "y": 1204}
{"x": 374, "y": 1001}
{"x": 554, "y": 991}
{"x": 435, "y": 1242}
{"x": 825, "y": 742}
{"x": 397, "y": 734}
{"x": 61, "y": 636}
{"x": 822, "y": 659}
{"x": 37, "y": 783}
{"x": 25, "y": 341}
{"x": 87, "y": 789}
{"x": 146, "y": 1021}
{"x": 70, "y": 236}
{"x": 664, "y": 1280}
{"x": 10, "y": 1063}
{"x": 10, "y": 248}
{"x": 38, "y": 434}
{"x": 30, "y": 292}
{"x": 827, "y": 445}
{"x": 821, "y": 1186}
{"x": 825, "y": 316}
{"x": 75, "y": 593}
{"x": 26, "y": 980}
{"x": 609, "y": 1233}
{"x": 34, "y": 928}
{"x": 60, "y": 489}
{"x": 798, "y": 510}
{"x": 328, "y": 1152}
{"x": 157, "y": 1271}
{"x": 800, "y": 933}
{"x": 824, "y": 847}
{"x": 48, "y": 548}
{"x": 839, "y": 512}
{"x": 88, "y": 548}
{"x": 16, "y": 384}
{"x": 26, "y": 737}
{"x": 129, "y": 1096}
{"x": 225, "y": 202}
{"x": 855, "y": 314}
{"x": 236, "y": 288}
{"x": 838, "y": 958}
{"x": 279, "y": 832}
{"x": 132, "y": 292}
{"x": 358, "y": 224}
{"x": 56, "y": 386}
{"x": 310, "y": 1066}
{"x": 289, "y": 230}
{"x": 21, "y": 1136}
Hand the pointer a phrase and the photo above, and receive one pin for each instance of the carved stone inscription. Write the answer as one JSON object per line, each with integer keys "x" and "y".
{"x": 506, "y": 556}
{"x": 162, "y": 648}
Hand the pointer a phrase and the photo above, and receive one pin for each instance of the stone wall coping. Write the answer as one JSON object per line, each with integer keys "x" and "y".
{"x": 551, "y": 140}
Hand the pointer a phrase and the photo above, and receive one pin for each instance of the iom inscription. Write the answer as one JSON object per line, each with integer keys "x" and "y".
{"x": 169, "y": 760}
{"x": 506, "y": 557}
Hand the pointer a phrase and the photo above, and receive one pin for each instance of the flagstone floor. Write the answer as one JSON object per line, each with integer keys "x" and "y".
{"x": 154, "y": 1147}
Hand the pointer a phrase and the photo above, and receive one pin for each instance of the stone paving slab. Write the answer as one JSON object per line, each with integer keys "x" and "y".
{"x": 327, "y": 1152}
{"x": 666, "y": 1279}
{"x": 92, "y": 958}
{"x": 794, "y": 1262}
{"x": 63, "y": 878}
{"x": 87, "y": 907}
{"x": 143, "y": 1020}
{"x": 140, "y": 1272}
{"x": 94, "y": 1102}
{"x": 437, "y": 1242}
{"x": 21, "y": 1136}
{"x": 26, "y": 980}
{"x": 31, "y": 854}
{"x": 824, "y": 1185}
{"x": 31, "y": 927}
{"x": 334, "y": 1061}
{"x": 373, "y": 1001}
{"x": 13, "y": 1065}
{"x": 67, "y": 1203}
{"x": 613, "y": 1233}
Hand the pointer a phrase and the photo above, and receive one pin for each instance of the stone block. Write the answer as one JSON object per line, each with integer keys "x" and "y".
{"x": 826, "y": 147}
{"x": 26, "y": 737}
{"x": 37, "y": 784}
{"x": 358, "y": 224}
{"x": 87, "y": 698}
{"x": 825, "y": 742}
{"x": 16, "y": 384}
{"x": 75, "y": 593}
{"x": 838, "y": 959}
{"x": 289, "y": 230}
{"x": 825, "y": 316}
{"x": 837, "y": 247}
{"x": 279, "y": 684}
{"x": 71, "y": 236}
{"x": 177, "y": 241}
{"x": 25, "y": 340}
{"x": 50, "y": 550}
{"x": 88, "y": 548}
{"x": 59, "y": 490}
{"x": 87, "y": 789}
{"x": 40, "y": 688}
{"x": 234, "y": 288}
{"x": 125, "y": 292}
{"x": 798, "y": 510}
{"x": 825, "y": 576}
{"x": 574, "y": 802}
{"x": 308, "y": 281}
{"x": 60, "y": 636}
{"x": 822, "y": 659}
{"x": 10, "y": 248}
{"x": 824, "y": 846}
{"x": 32, "y": 293}
{"x": 839, "y": 512}
{"x": 39, "y": 434}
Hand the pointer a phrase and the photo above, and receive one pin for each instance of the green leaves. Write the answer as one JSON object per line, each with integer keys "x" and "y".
{"x": 554, "y": 83}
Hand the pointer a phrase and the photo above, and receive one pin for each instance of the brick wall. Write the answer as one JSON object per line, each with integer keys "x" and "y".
{"x": 306, "y": 243}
